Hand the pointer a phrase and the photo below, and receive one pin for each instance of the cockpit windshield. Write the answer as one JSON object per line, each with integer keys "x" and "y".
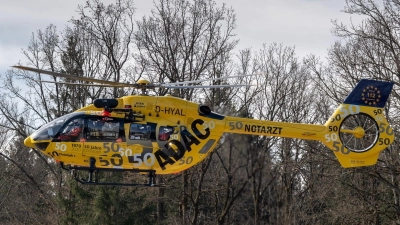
{"x": 48, "y": 131}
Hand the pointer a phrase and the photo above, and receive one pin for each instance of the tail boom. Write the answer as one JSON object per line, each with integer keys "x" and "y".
{"x": 275, "y": 129}
{"x": 356, "y": 132}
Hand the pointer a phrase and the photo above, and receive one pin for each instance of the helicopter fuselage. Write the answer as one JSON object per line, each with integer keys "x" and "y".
{"x": 165, "y": 135}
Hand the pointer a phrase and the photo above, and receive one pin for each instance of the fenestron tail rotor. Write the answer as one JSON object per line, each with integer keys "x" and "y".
{"x": 140, "y": 84}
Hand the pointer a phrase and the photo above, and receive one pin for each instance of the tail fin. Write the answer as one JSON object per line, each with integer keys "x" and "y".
{"x": 358, "y": 130}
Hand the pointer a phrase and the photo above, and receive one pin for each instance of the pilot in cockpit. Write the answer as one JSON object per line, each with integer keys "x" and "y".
{"x": 72, "y": 131}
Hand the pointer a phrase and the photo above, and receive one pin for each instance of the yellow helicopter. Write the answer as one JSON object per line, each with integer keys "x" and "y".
{"x": 166, "y": 135}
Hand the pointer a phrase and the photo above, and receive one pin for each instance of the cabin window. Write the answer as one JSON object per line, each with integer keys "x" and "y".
{"x": 139, "y": 132}
{"x": 164, "y": 133}
{"x": 99, "y": 129}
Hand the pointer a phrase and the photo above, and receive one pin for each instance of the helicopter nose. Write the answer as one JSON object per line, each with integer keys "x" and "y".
{"x": 36, "y": 145}
{"x": 28, "y": 142}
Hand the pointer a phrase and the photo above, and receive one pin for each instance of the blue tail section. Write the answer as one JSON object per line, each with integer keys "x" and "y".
{"x": 370, "y": 93}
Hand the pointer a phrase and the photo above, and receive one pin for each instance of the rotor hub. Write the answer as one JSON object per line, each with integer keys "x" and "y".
{"x": 143, "y": 82}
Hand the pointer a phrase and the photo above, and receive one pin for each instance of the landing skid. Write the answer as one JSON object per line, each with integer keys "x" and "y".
{"x": 93, "y": 178}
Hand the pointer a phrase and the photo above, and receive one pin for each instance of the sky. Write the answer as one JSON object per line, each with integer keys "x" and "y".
{"x": 303, "y": 24}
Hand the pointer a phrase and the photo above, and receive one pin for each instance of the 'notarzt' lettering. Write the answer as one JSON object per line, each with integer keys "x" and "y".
{"x": 262, "y": 129}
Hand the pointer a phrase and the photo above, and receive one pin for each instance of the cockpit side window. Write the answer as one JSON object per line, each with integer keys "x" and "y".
{"x": 51, "y": 129}
{"x": 139, "y": 132}
{"x": 72, "y": 131}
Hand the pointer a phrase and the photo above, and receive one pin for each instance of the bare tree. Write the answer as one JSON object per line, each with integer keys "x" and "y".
{"x": 111, "y": 28}
{"x": 181, "y": 40}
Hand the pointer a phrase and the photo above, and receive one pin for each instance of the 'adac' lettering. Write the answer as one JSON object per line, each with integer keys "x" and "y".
{"x": 197, "y": 132}
{"x": 170, "y": 111}
{"x": 160, "y": 155}
{"x": 262, "y": 129}
{"x": 174, "y": 150}
{"x": 192, "y": 140}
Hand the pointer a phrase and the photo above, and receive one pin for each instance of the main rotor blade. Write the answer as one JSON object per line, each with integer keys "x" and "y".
{"x": 208, "y": 86}
{"x": 221, "y": 78}
{"x": 81, "y": 84}
{"x": 118, "y": 84}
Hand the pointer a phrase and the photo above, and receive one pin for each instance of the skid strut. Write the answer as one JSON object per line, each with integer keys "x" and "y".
{"x": 93, "y": 178}
{"x": 152, "y": 178}
{"x": 92, "y": 163}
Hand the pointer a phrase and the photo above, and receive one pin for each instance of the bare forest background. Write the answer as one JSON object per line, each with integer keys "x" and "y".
{"x": 247, "y": 179}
